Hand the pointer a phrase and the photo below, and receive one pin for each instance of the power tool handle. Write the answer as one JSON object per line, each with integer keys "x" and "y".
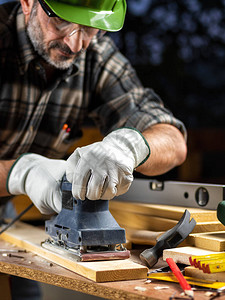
{"x": 221, "y": 212}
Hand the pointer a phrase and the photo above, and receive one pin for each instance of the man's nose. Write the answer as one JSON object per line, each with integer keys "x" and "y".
{"x": 75, "y": 42}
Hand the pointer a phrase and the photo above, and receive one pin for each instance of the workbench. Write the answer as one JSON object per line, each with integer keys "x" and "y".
{"x": 33, "y": 267}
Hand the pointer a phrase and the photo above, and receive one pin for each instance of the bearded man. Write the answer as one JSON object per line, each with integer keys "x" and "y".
{"x": 58, "y": 69}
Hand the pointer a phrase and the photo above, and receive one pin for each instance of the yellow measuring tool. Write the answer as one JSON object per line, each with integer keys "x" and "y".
{"x": 211, "y": 263}
{"x": 195, "y": 258}
{"x": 191, "y": 280}
{"x": 213, "y": 266}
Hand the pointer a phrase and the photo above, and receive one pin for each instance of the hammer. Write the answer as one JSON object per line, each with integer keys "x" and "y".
{"x": 170, "y": 239}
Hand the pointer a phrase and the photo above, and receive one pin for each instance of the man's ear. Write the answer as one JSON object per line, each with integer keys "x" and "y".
{"x": 27, "y": 7}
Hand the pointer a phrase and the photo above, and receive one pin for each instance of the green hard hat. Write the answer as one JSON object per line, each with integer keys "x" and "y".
{"x": 102, "y": 14}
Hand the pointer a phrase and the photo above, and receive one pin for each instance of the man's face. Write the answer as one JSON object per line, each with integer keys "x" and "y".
{"x": 57, "y": 51}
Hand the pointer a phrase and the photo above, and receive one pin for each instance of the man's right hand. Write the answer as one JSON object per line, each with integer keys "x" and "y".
{"x": 40, "y": 179}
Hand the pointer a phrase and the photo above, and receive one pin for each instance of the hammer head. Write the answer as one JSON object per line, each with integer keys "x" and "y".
{"x": 170, "y": 239}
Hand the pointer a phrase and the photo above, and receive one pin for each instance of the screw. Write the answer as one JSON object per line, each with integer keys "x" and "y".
{"x": 12, "y": 255}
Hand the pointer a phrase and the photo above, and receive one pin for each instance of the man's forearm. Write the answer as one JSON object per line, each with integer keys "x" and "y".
{"x": 168, "y": 149}
{"x": 5, "y": 166}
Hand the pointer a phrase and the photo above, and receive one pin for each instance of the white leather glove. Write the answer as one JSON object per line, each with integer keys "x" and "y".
{"x": 39, "y": 178}
{"x": 104, "y": 169}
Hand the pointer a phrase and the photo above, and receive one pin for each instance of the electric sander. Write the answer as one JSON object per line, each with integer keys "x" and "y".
{"x": 85, "y": 230}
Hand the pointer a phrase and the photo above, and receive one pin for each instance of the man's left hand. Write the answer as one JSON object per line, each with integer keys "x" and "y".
{"x": 104, "y": 169}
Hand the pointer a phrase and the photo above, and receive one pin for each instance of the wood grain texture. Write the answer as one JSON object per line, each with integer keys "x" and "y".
{"x": 182, "y": 254}
{"x": 214, "y": 241}
{"x": 34, "y": 267}
{"x": 142, "y": 237}
{"x": 142, "y": 222}
{"x": 147, "y": 222}
{"x": 30, "y": 238}
{"x": 194, "y": 272}
{"x": 164, "y": 211}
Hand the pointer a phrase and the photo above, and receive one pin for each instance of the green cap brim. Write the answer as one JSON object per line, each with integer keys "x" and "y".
{"x": 104, "y": 20}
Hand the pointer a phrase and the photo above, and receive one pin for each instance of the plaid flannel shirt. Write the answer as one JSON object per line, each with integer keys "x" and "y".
{"x": 101, "y": 85}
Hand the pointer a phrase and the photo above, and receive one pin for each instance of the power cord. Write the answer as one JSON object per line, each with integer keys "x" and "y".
{"x": 16, "y": 218}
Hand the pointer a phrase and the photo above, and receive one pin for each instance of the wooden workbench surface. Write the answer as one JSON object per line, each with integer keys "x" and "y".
{"x": 33, "y": 267}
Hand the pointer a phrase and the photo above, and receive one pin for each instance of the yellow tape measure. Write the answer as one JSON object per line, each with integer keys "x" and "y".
{"x": 191, "y": 280}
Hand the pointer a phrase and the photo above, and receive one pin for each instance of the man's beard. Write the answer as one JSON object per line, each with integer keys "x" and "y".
{"x": 36, "y": 36}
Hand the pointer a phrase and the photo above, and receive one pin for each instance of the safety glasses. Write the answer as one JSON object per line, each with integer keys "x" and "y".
{"x": 63, "y": 28}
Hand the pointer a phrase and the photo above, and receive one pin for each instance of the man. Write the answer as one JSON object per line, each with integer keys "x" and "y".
{"x": 56, "y": 70}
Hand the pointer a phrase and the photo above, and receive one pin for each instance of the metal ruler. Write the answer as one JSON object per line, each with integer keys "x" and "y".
{"x": 176, "y": 193}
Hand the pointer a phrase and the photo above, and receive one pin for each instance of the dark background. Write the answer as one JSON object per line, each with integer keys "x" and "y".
{"x": 178, "y": 49}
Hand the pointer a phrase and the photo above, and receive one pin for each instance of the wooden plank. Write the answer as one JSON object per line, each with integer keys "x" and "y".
{"x": 147, "y": 222}
{"x": 142, "y": 222}
{"x": 214, "y": 241}
{"x": 182, "y": 254}
{"x": 208, "y": 227}
{"x": 30, "y": 238}
{"x": 164, "y": 211}
{"x": 194, "y": 272}
{"x": 142, "y": 237}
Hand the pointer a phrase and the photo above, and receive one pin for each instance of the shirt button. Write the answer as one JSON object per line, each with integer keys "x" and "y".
{"x": 31, "y": 129}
